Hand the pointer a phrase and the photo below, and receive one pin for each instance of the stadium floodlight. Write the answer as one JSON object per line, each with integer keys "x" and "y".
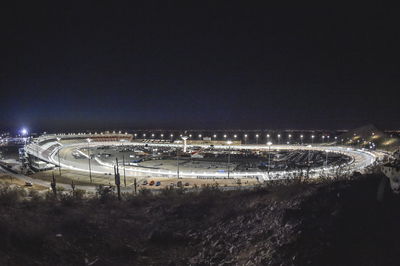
{"x": 24, "y": 132}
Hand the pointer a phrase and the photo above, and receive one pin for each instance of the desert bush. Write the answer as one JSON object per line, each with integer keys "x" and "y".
{"x": 78, "y": 194}
{"x": 35, "y": 195}
{"x": 105, "y": 193}
{"x": 144, "y": 192}
{"x": 10, "y": 196}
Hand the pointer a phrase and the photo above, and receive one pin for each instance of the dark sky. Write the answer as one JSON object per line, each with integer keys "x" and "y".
{"x": 205, "y": 65}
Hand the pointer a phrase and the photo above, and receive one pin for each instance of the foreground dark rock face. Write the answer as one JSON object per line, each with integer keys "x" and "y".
{"x": 299, "y": 224}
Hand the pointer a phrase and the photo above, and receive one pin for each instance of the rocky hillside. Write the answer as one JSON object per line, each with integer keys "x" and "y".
{"x": 327, "y": 223}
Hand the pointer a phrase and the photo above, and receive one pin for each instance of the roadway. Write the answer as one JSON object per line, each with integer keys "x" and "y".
{"x": 361, "y": 160}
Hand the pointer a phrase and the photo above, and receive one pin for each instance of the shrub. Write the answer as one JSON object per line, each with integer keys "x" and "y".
{"x": 10, "y": 196}
{"x": 105, "y": 193}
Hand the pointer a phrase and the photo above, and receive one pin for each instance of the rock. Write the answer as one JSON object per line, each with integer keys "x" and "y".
{"x": 231, "y": 249}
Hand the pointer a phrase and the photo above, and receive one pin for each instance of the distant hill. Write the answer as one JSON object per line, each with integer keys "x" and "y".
{"x": 369, "y": 135}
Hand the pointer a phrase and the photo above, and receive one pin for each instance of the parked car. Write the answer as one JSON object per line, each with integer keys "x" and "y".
{"x": 151, "y": 182}
{"x": 187, "y": 184}
{"x": 144, "y": 182}
{"x": 158, "y": 183}
{"x": 28, "y": 184}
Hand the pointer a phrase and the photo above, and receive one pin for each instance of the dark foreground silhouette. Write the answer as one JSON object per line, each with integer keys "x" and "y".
{"x": 328, "y": 223}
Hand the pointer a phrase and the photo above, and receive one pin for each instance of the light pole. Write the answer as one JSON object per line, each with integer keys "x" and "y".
{"x": 312, "y": 139}
{"x": 229, "y": 156}
{"x": 279, "y": 139}
{"x": 326, "y": 158}
{"x": 290, "y": 136}
{"x": 184, "y": 138}
{"x": 177, "y": 162}
{"x": 90, "y": 167}
{"x": 308, "y": 156}
{"x": 301, "y": 138}
{"x": 58, "y": 155}
{"x": 123, "y": 162}
{"x": 245, "y": 138}
{"x": 269, "y": 143}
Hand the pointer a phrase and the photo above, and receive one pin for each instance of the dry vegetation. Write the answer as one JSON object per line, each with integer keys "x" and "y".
{"x": 293, "y": 223}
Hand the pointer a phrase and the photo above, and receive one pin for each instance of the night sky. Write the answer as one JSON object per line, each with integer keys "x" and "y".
{"x": 204, "y": 65}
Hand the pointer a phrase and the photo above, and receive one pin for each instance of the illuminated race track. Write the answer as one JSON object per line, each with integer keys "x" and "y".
{"x": 62, "y": 155}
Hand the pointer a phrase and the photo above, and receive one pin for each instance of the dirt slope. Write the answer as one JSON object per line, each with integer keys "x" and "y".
{"x": 298, "y": 224}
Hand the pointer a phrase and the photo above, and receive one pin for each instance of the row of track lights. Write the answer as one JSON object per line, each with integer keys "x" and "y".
{"x": 226, "y": 136}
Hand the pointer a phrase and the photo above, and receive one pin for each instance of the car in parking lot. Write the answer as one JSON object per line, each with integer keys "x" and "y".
{"x": 158, "y": 183}
{"x": 151, "y": 182}
{"x": 144, "y": 182}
